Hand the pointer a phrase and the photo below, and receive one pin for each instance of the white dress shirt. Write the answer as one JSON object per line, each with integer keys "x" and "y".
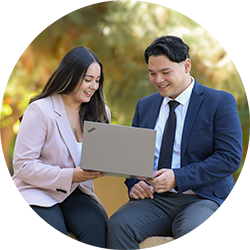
{"x": 180, "y": 112}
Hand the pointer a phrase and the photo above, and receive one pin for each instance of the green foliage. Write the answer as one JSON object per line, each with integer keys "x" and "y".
{"x": 118, "y": 32}
{"x": 244, "y": 113}
{"x": 128, "y": 80}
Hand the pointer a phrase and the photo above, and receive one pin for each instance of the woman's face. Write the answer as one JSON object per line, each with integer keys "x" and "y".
{"x": 89, "y": 84}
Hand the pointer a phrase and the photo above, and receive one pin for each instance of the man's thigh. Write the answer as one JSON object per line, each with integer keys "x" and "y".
{"x": 192, "y": 215}
{"x": 142, "y": 218}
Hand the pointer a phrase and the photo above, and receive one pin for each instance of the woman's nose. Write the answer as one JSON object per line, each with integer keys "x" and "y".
{"x": 94, "y": 85}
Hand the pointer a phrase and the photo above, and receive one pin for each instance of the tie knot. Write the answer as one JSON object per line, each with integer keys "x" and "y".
{"x": 173, "y": 105}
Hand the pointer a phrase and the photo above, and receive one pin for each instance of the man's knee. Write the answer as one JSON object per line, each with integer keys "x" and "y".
{"x": 194, "y": 227}
{"x": 117, "y": 224}
{"x": 193, "y": 216}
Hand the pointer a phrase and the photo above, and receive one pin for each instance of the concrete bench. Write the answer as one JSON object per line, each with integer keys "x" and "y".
{"x": 151, "y": 243}
{"x": 154, "y": 241}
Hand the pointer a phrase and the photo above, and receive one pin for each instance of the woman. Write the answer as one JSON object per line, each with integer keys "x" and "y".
{"x": 48, "y": 148}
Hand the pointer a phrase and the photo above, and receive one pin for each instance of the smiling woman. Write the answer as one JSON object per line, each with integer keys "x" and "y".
{"x": 82, "y": 94}
{"x": 48, "y": 148}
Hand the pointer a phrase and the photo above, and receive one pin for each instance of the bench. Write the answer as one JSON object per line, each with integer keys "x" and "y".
{"x": 151, "y": 243}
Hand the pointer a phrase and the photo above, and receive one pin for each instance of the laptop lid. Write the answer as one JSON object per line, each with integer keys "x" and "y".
{"x": 118, "y": 150}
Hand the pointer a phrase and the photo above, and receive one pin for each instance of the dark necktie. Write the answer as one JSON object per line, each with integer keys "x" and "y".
{"x": 165, "y": 158}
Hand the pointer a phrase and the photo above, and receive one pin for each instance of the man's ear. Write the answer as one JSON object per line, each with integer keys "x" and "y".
{"x": 187, "y": 65}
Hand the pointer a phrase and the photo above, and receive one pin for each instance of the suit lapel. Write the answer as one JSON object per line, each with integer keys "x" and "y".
{"x": 65, "y": 129}
{"x": 196, "y": 100}
{"x": 154, "y": 111}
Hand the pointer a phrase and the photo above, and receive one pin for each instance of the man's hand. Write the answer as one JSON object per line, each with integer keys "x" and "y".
{"x": 164, "y": 180}
{"x": 141, "y": 190}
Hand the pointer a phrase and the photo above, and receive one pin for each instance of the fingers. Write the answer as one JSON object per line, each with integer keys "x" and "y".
{"x": 141, "y": 190}
{"x": 159, "y": 187}
{"x": 80, "y": 175}
{"x": 159, "y": 173}
{"x": 93, "y": 174}
{"x": 164, "y": 180}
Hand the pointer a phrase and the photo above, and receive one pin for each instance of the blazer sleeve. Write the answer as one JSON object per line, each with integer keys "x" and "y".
{"x": 146, "y": 113}
{"x": 30, "y": 141}
{"x": 131, "y": 182}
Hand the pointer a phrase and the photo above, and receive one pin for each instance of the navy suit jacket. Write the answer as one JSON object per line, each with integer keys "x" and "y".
{"x": 211, "y": 146}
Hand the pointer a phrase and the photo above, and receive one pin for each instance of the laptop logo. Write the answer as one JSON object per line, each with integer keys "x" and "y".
{"x": 91, "y": 130}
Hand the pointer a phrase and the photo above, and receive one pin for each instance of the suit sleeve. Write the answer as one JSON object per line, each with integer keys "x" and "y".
{"x": 226, "y": 150}
{"x": 131, "y": 182}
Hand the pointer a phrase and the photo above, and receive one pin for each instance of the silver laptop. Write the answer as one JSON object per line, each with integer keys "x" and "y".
{"x": 118, "y": 150}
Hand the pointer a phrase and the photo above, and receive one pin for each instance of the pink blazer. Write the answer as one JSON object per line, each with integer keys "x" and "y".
{"x": 46, "y": 154}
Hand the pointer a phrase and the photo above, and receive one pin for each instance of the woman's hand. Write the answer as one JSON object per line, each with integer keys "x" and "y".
{"x": 80, "y": 175}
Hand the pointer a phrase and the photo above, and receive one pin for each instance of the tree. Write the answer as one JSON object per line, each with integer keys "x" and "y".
{"x": 118, "y": 32}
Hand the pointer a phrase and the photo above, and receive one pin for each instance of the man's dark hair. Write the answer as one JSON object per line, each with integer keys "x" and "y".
{"x": 171, "y": 46}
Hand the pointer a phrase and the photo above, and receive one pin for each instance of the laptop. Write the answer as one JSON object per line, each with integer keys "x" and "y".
{"x": 118, "y": 150}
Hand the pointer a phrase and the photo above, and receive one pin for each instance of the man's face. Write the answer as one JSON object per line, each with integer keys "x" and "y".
{"x": 169, "y": 78}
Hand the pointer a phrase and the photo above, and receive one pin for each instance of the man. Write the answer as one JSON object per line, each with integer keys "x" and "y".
{"x": 192, "y": 174}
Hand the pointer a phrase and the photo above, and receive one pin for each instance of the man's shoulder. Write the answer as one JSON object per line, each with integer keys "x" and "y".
{"x": 151, "y": 98}
{"x": 211, "y": 92}
{"x": 147, "y": 101}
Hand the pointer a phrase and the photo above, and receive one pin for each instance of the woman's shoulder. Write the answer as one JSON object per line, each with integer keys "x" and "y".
{"x": 42, "y": 101}
{"x": 42, "y": 105}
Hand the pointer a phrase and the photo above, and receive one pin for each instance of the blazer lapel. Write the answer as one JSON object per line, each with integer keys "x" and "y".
{"x": 154, "y": 111}
{"x": 196, "y": 100}
{"x": 65, "y": 129}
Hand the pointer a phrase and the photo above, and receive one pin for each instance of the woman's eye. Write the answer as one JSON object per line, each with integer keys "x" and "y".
{"x": 87, "y": 80}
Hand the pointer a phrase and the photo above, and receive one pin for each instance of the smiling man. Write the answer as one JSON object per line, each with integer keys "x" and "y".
{"x": 198, "y": 148}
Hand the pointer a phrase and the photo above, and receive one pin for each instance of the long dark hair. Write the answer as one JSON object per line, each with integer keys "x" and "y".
{"x": 68, "y": 75}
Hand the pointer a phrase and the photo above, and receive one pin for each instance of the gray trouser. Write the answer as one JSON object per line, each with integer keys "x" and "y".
{"x": 168, "y": 214}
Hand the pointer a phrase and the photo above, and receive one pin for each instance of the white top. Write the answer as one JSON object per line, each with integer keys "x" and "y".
{"x": 79, "y": 145}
